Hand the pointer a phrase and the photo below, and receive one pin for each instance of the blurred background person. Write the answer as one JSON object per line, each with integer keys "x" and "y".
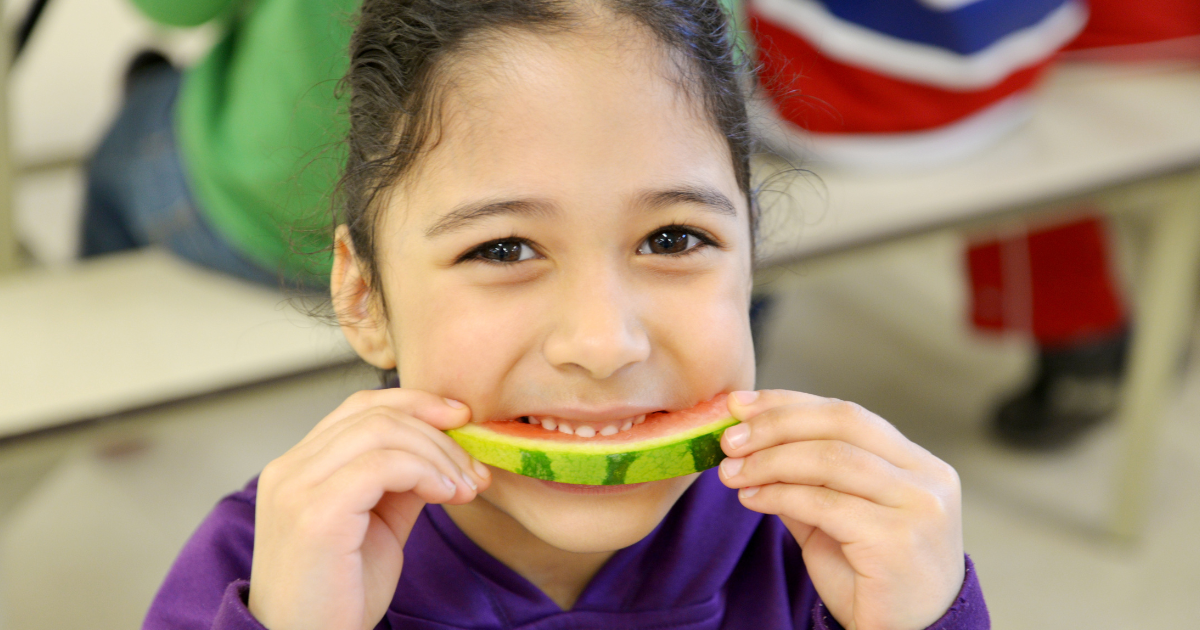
{"x": 1058, "y": 284}
{"x": 229, "y": 163}
{"x": 904, "y": 85}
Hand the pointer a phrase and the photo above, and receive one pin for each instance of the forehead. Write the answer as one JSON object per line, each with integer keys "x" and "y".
{"x": 593, "y": 116}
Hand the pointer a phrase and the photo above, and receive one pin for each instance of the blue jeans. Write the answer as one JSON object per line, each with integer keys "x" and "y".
{"x": 138, "y": 193}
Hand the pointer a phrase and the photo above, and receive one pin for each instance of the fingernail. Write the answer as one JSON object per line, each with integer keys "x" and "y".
{"x": 470, "y": 484}
{"x": 732, "y": 466}
{"x": 746, "y": 493}
{"x": 481, "y": 471}
{"x": 745, "y": 398}
{"x": 449, "y": 482}
{"x": 737, "y": 434}
{"x": 454, "y": 403}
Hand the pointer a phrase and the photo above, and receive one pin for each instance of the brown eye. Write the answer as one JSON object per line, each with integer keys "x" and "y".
{"x": 505, "y": 251}
{"x": 668, "y": 242}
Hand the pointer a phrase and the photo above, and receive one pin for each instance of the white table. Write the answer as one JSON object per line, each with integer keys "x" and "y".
{"x": 8, "y": 237}
{"x": 131, "y": 331}
{"x": 1128, "y": 139}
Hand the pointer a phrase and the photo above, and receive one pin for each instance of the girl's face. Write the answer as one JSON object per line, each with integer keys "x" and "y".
{"x": 574, "y": 245}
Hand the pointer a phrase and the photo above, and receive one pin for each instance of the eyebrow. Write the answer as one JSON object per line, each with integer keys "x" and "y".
{"x": 466, "y": 214}
{"x": 706, "y": 198}
{"x": 469, "y": 213}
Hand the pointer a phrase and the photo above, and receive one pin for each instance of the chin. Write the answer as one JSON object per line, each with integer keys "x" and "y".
{"x": 586, "y": 519}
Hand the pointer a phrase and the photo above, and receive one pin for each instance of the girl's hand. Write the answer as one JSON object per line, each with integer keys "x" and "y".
{"x": 335, "y": 511}
{"x": 877, "y": 517}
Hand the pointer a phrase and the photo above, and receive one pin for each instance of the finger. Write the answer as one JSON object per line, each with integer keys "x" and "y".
{"x": 399, "y": 512}
{"x": 782, "y": 417}
{"x": 384, "y": 429}
{"x": 482, "y": 476}
{"x": 828, "y": 463}
{"x": 358, "y": 487}
{"x": 745, "y": 404}
{"x": 800, "y": 531}
{"x": 443, "y": 413}
{"x": 826, "y": 564}
{"x": 844, "y": 517}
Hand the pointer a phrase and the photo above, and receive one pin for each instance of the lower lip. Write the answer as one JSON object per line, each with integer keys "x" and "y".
{"x": 572, "y": 488}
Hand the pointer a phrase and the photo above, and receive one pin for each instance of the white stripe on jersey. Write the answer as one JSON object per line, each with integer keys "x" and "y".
{"x": 895, "y": 152}
{"x": 947, "y": 5}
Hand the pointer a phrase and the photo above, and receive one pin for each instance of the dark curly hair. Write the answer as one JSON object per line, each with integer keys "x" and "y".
{"x": 400, "y": 46}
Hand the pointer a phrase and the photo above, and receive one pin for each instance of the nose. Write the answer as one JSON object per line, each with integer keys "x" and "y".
{"x": 597, "y": 328}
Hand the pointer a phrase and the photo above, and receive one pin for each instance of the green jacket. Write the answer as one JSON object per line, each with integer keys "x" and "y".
{"x": 259, "y": 126}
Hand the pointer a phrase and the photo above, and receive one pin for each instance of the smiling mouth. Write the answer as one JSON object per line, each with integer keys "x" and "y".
{"x": 584, "y": 429}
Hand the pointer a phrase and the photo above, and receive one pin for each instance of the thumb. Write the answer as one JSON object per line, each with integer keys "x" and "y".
{"x": 399, "y": 511}
{"x": 800, "y": 531}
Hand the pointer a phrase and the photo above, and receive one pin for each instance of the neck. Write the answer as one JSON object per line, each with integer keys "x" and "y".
{"x": 561, "y": 575}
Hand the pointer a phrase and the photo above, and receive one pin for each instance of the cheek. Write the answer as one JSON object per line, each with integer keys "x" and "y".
{"x": 457, "y": 340}
{"x": 706, "y": 326}
{"x": 722, "y": 346}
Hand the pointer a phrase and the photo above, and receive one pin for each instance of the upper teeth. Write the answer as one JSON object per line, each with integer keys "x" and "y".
{"x": 611, "y": 427}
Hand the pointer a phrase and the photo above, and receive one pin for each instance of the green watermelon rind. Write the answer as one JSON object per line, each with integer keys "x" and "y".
{"x": 598, "y": 464}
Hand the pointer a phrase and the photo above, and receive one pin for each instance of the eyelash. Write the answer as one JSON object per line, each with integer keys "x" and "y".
{"x": 475, "y": 254}
{"x": 706, "y": 239}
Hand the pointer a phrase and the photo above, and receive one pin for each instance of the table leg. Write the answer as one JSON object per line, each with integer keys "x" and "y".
{"x": 8, "y": 229}
{"x": 1162, "y": 322}
{"x": 23, "y": 466}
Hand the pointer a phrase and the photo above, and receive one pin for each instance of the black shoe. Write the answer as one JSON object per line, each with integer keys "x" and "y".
{"x": 144, "y": 63}
{"x": 1076, "y": 388}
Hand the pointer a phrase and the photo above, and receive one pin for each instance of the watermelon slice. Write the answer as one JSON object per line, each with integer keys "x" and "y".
{"x": 667, "y": 444}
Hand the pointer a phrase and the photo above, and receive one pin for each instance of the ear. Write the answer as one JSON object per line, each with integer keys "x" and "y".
{"x": 359, "y": 311}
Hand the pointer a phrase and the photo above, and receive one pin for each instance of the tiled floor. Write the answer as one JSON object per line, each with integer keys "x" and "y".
{"x": 89, "y": 547}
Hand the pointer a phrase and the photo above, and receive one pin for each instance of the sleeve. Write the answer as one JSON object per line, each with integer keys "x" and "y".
{"x": 184, "y": 12}
{"x": 233, "y": 614}
{"x": 968, "y": 612}
{"x": 207, "y": 586}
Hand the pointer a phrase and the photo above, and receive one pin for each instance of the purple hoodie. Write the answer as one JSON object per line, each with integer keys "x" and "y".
{"x": 711, "y": 564}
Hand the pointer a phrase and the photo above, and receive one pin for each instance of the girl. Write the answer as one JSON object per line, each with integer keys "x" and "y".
{"x": 548, "y": 213}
